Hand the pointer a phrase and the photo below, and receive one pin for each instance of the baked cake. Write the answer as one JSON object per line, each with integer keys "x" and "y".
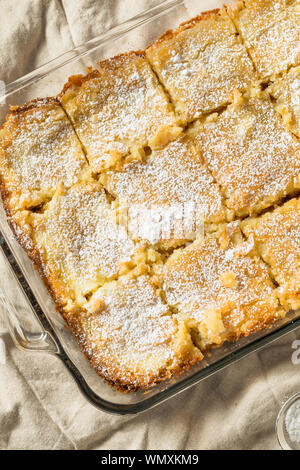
{"x": 277, "y": 238}
{"x": 270, "y": 29}
{"x": 250, "y": 154}
{"x": 77, "y": 242}
{"x": 172, "y": 193}
{"x": 158, "y": 195}
{"x": 39, "y": 150}
{"x": 222, "y": 292}
{"x": 131, "y": 336}
{"x": 286, "y": 90}
{"x": 118, "y": 109}
{"x": 201, "y": 63}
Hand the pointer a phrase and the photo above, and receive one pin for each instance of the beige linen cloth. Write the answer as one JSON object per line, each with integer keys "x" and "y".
{"x": 40, "y": 405}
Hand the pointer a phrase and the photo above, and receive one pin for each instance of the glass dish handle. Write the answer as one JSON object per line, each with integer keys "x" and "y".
{"x": 25, "y": 340}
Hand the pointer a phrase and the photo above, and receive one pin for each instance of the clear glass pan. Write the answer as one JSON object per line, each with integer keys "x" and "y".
{"x": 34, "y": 323}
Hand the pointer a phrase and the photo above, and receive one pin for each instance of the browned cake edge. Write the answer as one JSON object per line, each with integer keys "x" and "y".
{"x": 79, "y": 79}
{"x": 26, "y": 242}
{"x": 172, "y": 33}
{"x": 113, "y": 378}
{"x": 15, "y": 111}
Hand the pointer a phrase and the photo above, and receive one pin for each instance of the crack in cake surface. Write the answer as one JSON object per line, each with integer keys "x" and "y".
{"x": 277, "y": 237}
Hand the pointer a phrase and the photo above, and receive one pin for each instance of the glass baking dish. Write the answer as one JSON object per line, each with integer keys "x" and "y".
{"x": 33, "y": 321}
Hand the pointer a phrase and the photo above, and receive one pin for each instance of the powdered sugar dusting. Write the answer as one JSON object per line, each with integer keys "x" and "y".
{"x": 200, "y": 67}
{"x": 171, "y": 178}
{"x": 131, "y": 332}
{"x": 271, "y": 31}
{"x": 122, "y": 107}
{"x": 83, "y": 245}
{"x": 43, "y": 150}
{"x": 273, "y": 55}
{"x": 194, "y": 281}
{"x": 251, "y": 155}
{"x": 292, "y": 423}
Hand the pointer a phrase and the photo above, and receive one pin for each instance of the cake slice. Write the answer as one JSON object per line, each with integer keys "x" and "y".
{"x": 286, "y": 90}
{"x": 277, "y": 239}
{"x": 119, "y": 108}
{"x": 250, "y": 154}
{"x": 270, "y": 30}
{"x": 201, "y": 63}
{"x": 221, "y": 290}
{"x": 39, "y": 151}
{"x": 76, "y": 243}
{"x": 130, "y": 336}
{"x": 168, "y": 198}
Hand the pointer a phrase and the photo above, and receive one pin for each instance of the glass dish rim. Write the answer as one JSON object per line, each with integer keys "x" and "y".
{"x": 116, "y": 408}
{"x": 88, "y": 47}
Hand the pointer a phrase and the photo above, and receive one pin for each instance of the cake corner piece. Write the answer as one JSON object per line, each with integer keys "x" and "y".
{"x": 119, "y": 108}
{"x": 201, "y": 64}
{"x": 131, "y": 337}
{"x": 39, "y": 151}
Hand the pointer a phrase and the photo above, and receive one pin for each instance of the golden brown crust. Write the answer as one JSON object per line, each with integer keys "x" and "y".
{"x": 114, "y": 379}
{"x": 172, "y": 33}
{"x": 39, "y": 151}
{"x": 201, "y": 64}
{"x": 118, "y": 109}
{"x": 112, "y": 62}
{"x": 35, "y": 103}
